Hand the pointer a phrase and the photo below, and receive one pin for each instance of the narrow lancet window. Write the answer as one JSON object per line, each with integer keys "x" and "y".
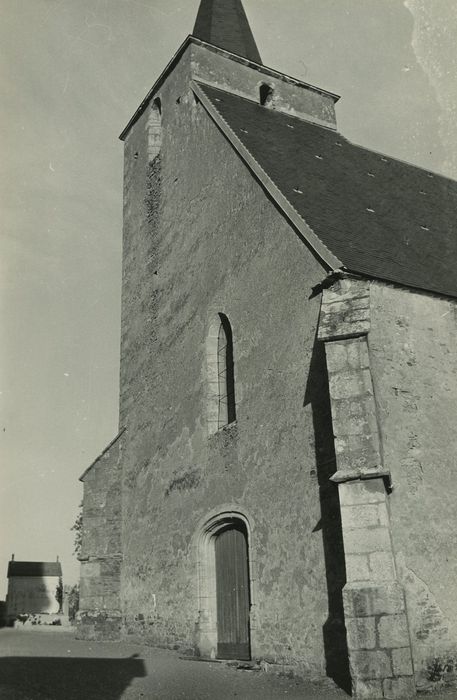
{"x": 225, "y": 373}
{"x": 221, "y": 377}
{"x": 155, "y": 129}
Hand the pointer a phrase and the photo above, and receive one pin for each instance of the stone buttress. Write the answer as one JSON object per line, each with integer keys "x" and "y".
{"x": 374, "y": 601}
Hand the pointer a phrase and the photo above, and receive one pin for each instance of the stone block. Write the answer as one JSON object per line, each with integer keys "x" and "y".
{"x": 361, "y": 516}
{"x": 358, "y": 492}
{"x": 337, "y": 357}
{"x": 98, "y": 626}
{"x": 366, "y": 379}
{"x": 347, "y": 289}
{"x": 393, "y": 631}
{"x": 357, "y": 315}
{"x": 374, "y": 599}
{"x": 396, "y": 688}
{"x": 346, "y": 410}
{"x": 348, "y": 425}
{"x": 110, "y": 601}
{"x": 361, "y": 632}
{"x": 357, "y": 568}
{"x": 340, "y": 445}
{"x": 365, "y": 462}
{"x": 90, "y": 569}
{"x": 357, "y": 352}
{"x": 111, "y": 567}
{"x": 401, "y": 662}
{"x": 361, "y": 442}
{"x": 375, "y": 539}
{"x": 382, "y": 566}
{"x": 370, "y": 664}
{"x": 343, "y": 321}
{"x": 367, "y": 690}
{"x": 345, "y": 385}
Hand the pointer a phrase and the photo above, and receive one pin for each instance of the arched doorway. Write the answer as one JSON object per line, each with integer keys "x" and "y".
{"x": 223, "y": 628}
{"x": 232, "y": 592}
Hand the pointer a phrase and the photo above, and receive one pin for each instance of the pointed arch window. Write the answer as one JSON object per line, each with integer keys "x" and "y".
{"x": 225, "y": 373}
{"x": 221, "y": 376}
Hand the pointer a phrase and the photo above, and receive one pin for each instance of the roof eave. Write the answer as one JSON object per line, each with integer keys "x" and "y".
{"x": 409, "y": 287}
{"x": 97, "y": 459}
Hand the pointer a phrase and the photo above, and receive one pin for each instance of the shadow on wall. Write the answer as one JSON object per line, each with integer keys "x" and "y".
{"x": 2, "y": 613}
{"x": 334, "y": 631}
{"x": 51, "y": 678}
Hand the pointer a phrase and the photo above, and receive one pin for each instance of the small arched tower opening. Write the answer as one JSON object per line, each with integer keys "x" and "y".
{"x": 155, "y": 129}
{"x": 266, "y": 93}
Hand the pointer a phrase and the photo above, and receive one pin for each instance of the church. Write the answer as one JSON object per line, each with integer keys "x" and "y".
{"x": 282, "y": 487}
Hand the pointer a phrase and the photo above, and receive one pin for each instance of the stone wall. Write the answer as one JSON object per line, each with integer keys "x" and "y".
{"x": 414, "y": 365}
{"x": 289, "y": 95}
{"x": 392, "y": 387}
{"x": 201, "y": 237}
{"x": 100, "y": 557}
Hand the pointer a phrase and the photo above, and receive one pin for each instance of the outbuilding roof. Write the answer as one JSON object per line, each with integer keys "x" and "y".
{"x": 381, "y": 217}
{"x": 34, "y": 568}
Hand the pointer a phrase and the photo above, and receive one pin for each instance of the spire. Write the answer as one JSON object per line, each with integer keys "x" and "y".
{"x": 223, "y": 23}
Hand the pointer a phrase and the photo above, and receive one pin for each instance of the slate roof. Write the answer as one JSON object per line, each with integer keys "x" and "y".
{"x": 34, "y": 568}
{"x": 381, "y": 217}
{"x": 223, "y": 23}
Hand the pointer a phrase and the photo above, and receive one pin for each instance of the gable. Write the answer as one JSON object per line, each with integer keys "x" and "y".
{"x": 380, "y": 217}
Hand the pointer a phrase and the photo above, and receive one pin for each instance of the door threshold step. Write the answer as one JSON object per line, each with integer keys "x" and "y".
{"x": 201, "y": 658}
{"x": 243, "y": 665}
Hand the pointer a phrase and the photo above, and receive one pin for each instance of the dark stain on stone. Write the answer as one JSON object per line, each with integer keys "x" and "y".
{"x": 185, "y": 482}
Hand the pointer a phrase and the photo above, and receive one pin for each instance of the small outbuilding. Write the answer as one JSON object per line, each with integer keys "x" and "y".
{"x": 33, "y": 588}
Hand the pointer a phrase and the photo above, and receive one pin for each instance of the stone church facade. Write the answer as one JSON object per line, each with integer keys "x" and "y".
{"x": 282, "y": 486}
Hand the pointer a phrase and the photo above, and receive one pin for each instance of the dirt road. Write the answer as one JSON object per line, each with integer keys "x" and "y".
{"x": 52, "y": 665}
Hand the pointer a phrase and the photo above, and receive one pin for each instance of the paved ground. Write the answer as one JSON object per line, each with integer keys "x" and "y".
{"x": 52, "y": 665}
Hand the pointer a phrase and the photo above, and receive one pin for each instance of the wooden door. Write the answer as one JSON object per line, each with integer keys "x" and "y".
{"x": 232, "y": 594}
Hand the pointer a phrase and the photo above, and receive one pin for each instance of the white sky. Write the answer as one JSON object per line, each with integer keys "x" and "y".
{"x": 73, "y": 72}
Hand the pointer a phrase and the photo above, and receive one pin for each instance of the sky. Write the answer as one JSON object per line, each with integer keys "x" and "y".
{"x": 72, "y": 74}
